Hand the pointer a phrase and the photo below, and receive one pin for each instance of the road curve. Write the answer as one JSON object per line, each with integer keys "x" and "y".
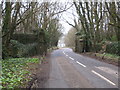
{"x": 71, "y": 70}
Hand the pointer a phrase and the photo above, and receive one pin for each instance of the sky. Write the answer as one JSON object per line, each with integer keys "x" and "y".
{"x": 69, "y": 17}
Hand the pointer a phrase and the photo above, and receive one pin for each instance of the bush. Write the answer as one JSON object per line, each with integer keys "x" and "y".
{"x": 15, "y": 48}
{"x": 98, "y": 47}
{"x": 29, "y": 50}
{"x": 114, "y": 38}
{"x": 25, "y": 38}
{"x": 113, "y": 48}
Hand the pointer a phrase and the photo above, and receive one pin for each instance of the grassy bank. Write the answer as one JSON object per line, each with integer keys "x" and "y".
{"x": 106, "y": 57}
{"x": 112, "y": 57}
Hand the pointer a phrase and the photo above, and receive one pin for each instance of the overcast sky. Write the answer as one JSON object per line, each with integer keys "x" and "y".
{"x": 68, "y": 16}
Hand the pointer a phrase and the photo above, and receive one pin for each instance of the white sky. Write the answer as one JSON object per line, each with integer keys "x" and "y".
{"x": 68, "y": 16}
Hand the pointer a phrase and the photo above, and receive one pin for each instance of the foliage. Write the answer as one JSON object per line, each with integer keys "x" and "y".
{"x": 70, "y": 38}
{"x": 97, "y": 23}
{"x": 14, "y": 72}
{"x": 112, "y": 55}
{"x": 109, "y": 56}
{"x": 114, "y": 38}
{"x": 25, "y": 38}
{"x": 20, "y": 50}
{"x": 29, "y": 50}
{"x": 5, "y": 52}
{"x": 98, "y": 47}
{"x": 28, "y": 18}
{"x": 15, "y": 48}
{"x": 113, "y": 48}
{"x": 53, "y": 32}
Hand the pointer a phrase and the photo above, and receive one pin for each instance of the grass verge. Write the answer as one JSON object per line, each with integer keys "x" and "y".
{"x": 105, "y": 57}
{"x": 112, "y": 57}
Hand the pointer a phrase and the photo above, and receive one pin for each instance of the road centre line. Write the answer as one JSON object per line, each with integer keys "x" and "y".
{"x": 66, "y": 55}
{"x": 103, "y": 78}
{"x": 63, "y": 52}
{"x": 71, "y": 58}
{"x": 80, "y": 64}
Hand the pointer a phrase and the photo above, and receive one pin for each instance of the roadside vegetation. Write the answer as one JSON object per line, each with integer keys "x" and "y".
{"x": 32, "y": 29}
{"x": 111, "y": 57}
{"x": 70, "y": 38}
{"x": 97, "y": 29}
{"x": 16, "y": 72}
{"x": 29, "y": 29}
{"x": 104, "y": 57}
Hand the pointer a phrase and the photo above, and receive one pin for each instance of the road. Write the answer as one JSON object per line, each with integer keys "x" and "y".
{"x": 71, "y": 70}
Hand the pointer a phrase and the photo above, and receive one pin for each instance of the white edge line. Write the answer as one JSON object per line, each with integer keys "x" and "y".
{"x": 80, "y": 64}
{"x": 103, "y": 78}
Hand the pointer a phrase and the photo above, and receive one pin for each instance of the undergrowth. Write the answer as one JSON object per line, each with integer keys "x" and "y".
{"x": 14, "y": 72}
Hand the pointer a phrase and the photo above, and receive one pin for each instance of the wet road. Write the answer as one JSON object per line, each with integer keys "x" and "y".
{"x": 71, "y": 70}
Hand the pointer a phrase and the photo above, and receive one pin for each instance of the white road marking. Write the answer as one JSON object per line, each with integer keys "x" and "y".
{"x": 71, "y": 58}
{"x": 103, "y": 78}
{"x": 66, "y": 55}
{"x": 80, "y": 64}
{"x": 63, "y": 53}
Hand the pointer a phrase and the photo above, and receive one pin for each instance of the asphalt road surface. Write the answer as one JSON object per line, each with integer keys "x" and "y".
{"x": 71, "y": 70}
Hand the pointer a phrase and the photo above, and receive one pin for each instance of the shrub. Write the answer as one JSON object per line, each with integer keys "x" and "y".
{"x": 19, "y": 50}
{"x": 14, "y": 48}
{"x": 113, "y": 48}
{"x": 98, "y": 47}
{"x": 29, "y": 50}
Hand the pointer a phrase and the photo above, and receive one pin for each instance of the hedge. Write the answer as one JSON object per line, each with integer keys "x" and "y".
{"x": 20, "y": 50}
